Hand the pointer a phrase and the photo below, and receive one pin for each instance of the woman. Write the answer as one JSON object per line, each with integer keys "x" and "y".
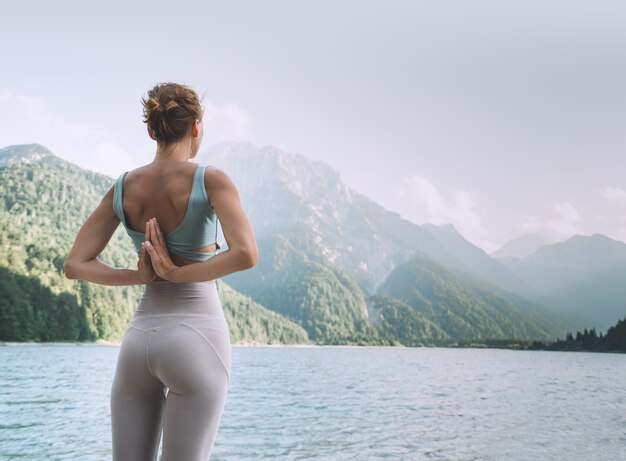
{"x": 173, "y": 367}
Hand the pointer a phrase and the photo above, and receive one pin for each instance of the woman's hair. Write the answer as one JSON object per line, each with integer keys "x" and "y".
{"x": 169, "y": 110}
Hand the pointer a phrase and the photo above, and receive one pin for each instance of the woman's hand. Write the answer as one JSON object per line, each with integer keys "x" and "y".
{"x": 144, "y": 267}
{"x": 156, "y": 248}
{"x": 146, "y": 272}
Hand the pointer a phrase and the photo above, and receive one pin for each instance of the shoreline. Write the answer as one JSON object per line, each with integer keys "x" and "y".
{"x": 103, "y": 342}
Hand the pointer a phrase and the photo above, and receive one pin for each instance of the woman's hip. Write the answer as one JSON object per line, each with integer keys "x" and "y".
{"x": 179, "y": 325}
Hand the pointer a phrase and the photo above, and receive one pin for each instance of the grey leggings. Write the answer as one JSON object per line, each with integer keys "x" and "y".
{"x": 172, "y": 374}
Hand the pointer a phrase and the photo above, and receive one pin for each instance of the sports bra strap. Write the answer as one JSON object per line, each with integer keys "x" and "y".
{"x": 118, "y": 209}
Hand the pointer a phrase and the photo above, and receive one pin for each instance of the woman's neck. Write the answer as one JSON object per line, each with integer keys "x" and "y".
{"x": 176, "y": 151}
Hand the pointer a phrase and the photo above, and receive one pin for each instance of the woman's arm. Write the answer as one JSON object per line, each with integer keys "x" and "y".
{"x": 242, "y": 250}
{"x": 82, "y": 263}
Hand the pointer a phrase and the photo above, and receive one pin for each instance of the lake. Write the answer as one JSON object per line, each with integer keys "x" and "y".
{"x": 340, "y": 403}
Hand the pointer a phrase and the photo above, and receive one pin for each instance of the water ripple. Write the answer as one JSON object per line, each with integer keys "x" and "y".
{"x": 325, "y": 403}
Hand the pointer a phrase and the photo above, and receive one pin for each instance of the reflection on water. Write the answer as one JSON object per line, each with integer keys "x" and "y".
{"x": 336, "y": 403}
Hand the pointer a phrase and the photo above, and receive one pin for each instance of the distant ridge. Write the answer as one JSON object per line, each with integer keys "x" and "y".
{"x": 24, "y": 153}
{"x": 581, "y": 278}
{"x": 588, "y": 253}
{"x": 524, "y": 246}
{"x": 474, "y": 260}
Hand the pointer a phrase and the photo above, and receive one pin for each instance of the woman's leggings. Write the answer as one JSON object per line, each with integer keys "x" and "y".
{"x": 172, "y": 374}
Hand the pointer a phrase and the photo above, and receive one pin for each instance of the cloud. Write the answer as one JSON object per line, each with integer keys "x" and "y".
{"x": 109, "y": 158}
{"x": 422, "y": 191}
{"x": 562, "y": 220}
{"x": 566, "y": 211}
{"x": 28, "y": 119}
{"x": 225, "y": 122}
{"x": 36, "y": 110}
{"x": 614, "y": 194}
{"x": 421, "y": 202}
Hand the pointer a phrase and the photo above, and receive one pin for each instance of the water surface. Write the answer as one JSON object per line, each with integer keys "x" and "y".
{"x": 340, "y": 403}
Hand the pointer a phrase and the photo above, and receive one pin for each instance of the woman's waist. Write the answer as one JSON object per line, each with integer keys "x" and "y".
{"x": 172, "y": 291}
{"x": 168, "y": 299}
{"x": 165, "y": 286}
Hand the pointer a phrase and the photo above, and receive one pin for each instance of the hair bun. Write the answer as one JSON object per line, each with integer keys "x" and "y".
{"x": 169, "y": 110}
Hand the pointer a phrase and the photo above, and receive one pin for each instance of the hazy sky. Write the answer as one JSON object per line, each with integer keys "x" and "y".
{"x": 500, "y": 117}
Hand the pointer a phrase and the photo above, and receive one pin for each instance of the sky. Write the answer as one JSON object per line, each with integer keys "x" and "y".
{"x": 499, "y": 117}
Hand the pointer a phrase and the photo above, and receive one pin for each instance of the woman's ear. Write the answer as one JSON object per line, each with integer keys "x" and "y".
{"x": 195, "y": 128}
{"x": 151, "y": 134}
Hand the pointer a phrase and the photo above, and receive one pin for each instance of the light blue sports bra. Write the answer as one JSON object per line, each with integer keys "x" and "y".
{"x": 194, "y": 231}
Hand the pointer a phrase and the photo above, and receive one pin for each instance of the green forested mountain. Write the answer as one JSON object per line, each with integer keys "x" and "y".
{"x": 250, "y": 322}
{"x": 461, "y": 309}
{"x": 43, "y": 202}
{"x": 290, "y": 279}
{"x": 30, "y": 311}
{"x": 400, "y": 323}
{"x": 420, "y": 302}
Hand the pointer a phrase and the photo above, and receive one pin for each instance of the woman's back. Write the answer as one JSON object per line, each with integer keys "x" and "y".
{"x": 174, "y": 192}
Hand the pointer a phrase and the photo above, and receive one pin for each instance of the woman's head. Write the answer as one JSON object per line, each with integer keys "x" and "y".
{"x": 171, "y": 112}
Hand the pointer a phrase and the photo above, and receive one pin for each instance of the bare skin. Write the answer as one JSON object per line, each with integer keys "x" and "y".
{"x": 155, "y": 201}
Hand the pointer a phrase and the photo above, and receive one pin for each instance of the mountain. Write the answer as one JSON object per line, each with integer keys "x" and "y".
{"x": 597, "y": 301}
{"x": 524, "y": 246}
{"x": 310, "y": 226}
{"x": 291, "y": 279}
{"x": 583, "y": 253}
{"x": 282, "y": 190}
{"x": 287, "y": 192}
{"x": 581, "y": 278}
{"x": 556, "y": 266}
{"x": 28, "y": 153}
{"x": 249, "y": 322}
{"x": 477, "y": 269}
{"x": 401, "y": 323}
{"x": 43, "y": 202}
{"x": 464, "y": 311}
{"x": 474, "y": 260}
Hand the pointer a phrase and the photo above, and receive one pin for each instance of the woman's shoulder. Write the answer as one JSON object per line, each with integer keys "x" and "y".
{"x": 216, "y": 178}
{"x": 132, "y": 172}
{"x": 214, "y": 172}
